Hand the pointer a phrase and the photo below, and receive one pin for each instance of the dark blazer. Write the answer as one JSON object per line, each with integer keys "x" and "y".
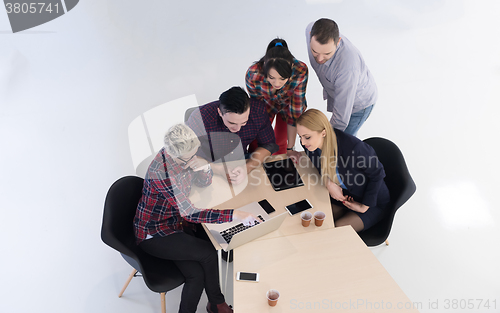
{"x": 358, "y": 167}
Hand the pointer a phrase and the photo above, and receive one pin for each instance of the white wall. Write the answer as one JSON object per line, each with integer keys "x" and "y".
{"x": 70, "y": 88}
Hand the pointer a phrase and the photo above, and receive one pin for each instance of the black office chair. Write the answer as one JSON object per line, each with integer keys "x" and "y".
{"x": 118, "y": 232}
{"x": 399, "y": 182}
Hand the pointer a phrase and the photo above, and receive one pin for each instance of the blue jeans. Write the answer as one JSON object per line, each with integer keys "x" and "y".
{"x": 357, "y": 120}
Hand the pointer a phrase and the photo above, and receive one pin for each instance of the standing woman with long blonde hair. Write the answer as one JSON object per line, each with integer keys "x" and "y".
{"x": 349, "y": 169}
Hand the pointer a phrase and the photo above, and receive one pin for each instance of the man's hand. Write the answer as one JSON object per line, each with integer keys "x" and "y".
{"x": 197, "y": 164}
{"x": 237, "y": 175}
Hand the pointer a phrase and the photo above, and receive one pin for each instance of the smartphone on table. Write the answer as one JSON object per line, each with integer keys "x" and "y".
{"x": 246, "y": 276}
{"x": 298, "y": 207}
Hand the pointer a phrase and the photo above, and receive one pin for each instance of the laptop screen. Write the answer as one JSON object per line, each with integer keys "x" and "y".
{"x": 282, "y": 174}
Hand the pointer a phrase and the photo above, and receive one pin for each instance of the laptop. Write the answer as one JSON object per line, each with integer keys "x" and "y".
{"x": 282, "y": 174}
{"x": 234, "y": 234}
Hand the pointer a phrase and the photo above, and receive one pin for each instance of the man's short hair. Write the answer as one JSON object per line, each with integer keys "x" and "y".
{"x": 325, "y": 30}
{"x": 234, "y": 100}
{"x": 180, "y": 140}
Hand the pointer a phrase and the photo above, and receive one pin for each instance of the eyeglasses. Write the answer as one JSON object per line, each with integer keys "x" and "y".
{"x": 186, "y": 161}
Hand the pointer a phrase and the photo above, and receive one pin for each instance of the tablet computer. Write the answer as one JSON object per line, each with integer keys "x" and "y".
{"x": 282, "y": 174}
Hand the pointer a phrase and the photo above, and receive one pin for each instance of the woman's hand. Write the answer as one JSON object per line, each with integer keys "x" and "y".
{"x": 197, "y": 164}
{"x": 355, "y": 206}
{"x": 246, "y": 218}
{"x": 294, "y": 155}
{"x": 335, "y": 191}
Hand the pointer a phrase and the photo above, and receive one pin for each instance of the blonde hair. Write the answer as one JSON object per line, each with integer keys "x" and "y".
{"x": 179, "y": 140}
{"x": 315, "y": 120}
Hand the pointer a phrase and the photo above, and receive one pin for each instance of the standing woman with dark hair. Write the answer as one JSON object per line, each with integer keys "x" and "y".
{"x": 280, "y": 81}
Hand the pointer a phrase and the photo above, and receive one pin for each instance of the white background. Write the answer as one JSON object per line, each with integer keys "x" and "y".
{"x": 69, "y": 89}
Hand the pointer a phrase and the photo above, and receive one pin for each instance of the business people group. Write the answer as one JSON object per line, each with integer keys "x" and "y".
{"x": 167, "y": 224}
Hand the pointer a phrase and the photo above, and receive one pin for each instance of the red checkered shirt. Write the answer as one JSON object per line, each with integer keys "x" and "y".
{"x": 165, "y": 208}
{"x": 289, "y": 101}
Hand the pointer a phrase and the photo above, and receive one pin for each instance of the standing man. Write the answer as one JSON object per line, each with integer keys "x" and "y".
{"x": 227, "y": 127}
{"x": 348, "y": 85}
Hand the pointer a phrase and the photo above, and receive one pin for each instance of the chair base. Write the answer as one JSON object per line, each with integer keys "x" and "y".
{"x": 163, "y": 304}
{"x": 134, "y": 271}
{"x": 129, "y": 279}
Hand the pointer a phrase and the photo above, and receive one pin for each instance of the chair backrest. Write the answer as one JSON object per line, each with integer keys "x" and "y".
{"x": 399, "y": 182}
{"x": 119, "y": 210}
{"x": 188, "y": 112}
{"x": 118, "y": 232}
{"x": 146, "y": 131}
{"x": 398, "y": 178}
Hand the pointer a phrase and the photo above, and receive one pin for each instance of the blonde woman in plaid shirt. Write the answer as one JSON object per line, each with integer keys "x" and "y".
{"x": 168, "y": 226}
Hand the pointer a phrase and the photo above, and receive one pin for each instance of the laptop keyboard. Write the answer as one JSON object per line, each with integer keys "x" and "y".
{"x": 230, "y": 232}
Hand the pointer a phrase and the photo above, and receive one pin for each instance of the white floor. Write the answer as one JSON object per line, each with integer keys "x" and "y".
{"x": 70, "y": 88}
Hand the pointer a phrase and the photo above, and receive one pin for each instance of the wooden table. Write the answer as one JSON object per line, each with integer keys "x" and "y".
{"x": 316, "y": 269}
{"x": 327, "y": 270}
{"x": 222, "y": 195}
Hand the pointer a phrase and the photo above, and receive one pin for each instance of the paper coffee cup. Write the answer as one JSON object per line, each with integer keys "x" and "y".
{"x": 306, "y": 218}
{"x": 319, "y": 217}
{"x": 272, "y": 297}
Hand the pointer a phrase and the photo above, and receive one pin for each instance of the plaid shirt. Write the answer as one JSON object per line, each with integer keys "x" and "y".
{"x": 218, "y": 142}
{"x": 289, "y": 101}
{"x": 164, "y": 208}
